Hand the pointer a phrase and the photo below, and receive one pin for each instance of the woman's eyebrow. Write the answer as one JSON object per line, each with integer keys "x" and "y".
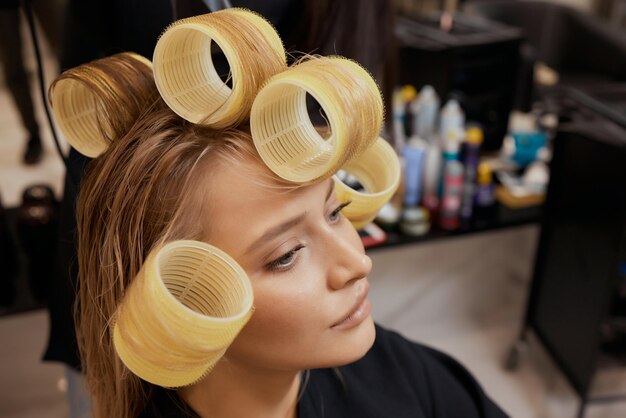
{"x": 285, "y": 226}
{"x": 277, "y": 230}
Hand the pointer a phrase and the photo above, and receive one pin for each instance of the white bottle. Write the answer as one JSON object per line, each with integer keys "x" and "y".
{"x": 452, "y": 118}
{"x": 399, "y": 114}
{"x": 432, "y": 176}
{"x": 425, "y": 109}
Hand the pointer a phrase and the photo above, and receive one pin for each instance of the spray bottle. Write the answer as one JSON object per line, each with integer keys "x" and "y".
{"x": 485, "y": 191}
{"x": 399, "y": 115}
{"x": 452, "y": 118}
{"x": 426, "y": 108}
{"x": 452, "y": 194}
{"x": 432, "y": 177}
{"x": 451, "y": 144}
{"x": 470, "y": 157}
{"x": 408, "y": 96}
{"x": 485, "y": 194}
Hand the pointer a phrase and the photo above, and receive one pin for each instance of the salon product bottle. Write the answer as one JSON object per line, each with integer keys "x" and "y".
{"x": 485, "y": 195}
{"x": 470, "y": 157}
{"x": 388, "y": 216}
{"x": 413, "y": 152}
{"x": 432, "y": 176}
{"x": 399, "y": 115}
{"x": 408, "y": 96}
{"x": 451, "y": 145}
{"x": 452, "y": 118}
{"x": 425, "y": 109}
{"x": 485, "y": 190}
{"x": 415, "y": 221}
{"x": 452, "y": 194}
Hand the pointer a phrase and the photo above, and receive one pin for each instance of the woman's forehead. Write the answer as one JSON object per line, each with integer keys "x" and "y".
{"x": 249, "y": 188}
{"x": 243, "y": 207}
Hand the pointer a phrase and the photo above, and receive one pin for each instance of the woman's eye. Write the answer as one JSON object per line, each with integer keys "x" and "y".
{"x": 335, "y": 214}
{"x": 284, "y": 262}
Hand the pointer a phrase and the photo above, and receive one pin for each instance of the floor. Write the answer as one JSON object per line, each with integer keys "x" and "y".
{"x": 465, "y": 296}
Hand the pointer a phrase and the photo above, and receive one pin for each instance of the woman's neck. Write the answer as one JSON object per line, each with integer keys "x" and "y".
{"x": 233, "y": 389}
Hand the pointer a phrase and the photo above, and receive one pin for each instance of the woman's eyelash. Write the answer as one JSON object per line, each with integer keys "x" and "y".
{"x": 278, "y": 265}
{"x": 285, "y": 261}
{"x": 340, "y": 208}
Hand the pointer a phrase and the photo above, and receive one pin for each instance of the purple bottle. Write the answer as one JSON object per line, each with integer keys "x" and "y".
{"x": 470, "y": 158}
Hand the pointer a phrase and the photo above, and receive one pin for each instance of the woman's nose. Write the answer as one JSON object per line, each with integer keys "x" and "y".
{"x": 348, "y": 261}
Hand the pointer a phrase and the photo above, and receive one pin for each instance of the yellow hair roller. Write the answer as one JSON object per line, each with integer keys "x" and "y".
{"x": 283, "y": 133}
{"x": 180, "y": 314}
{"x": 378, "y": 170}
{"x": 96, "y": 102}
{"x": 184, "y": 71}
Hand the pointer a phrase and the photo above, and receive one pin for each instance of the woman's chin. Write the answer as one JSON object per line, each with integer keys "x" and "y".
{"x": 353, "y": 344}
{"x": 366, "y": 337}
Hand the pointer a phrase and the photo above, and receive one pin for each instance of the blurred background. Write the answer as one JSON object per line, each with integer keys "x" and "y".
{"x": 505, "y": 247}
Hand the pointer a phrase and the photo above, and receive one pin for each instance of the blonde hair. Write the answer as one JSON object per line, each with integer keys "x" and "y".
{"x": 149, "y": 187}
{"x": 94, "y": 104}
{"x": 142, "y": 192}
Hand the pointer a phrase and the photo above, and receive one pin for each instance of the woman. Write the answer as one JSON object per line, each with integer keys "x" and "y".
{"x": 310, "y": 349}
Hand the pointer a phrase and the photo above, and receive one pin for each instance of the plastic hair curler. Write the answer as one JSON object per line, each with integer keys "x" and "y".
{"x": 378, "y": 170}
{"x": 283, "y": 133}
{"x": 184, "y": 71}
{"x": 180, "y": 314}
{"x": 87, "y": 100}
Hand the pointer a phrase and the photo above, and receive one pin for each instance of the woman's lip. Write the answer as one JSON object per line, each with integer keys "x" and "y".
{"x": 358, "y": 313}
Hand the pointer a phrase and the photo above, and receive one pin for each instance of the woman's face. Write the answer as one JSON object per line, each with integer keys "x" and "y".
{"x": 308, "y": 270}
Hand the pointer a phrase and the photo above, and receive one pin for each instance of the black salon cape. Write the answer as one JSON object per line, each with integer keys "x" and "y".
{"x": 396, "y": 379}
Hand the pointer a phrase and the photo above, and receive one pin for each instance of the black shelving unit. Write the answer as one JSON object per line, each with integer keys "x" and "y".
{"x": 502, "y": 218}
{"x": 577, "y": 268}
{"x": 477, "y": 62}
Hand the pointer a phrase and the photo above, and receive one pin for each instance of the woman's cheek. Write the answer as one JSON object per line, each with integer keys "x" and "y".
{"x": 286, "y": 304}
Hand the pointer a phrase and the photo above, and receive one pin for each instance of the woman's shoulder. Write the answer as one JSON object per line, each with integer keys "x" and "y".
{"x": 394, "y": 354}
{"x": 391, "y": 349}
{"x": 399, "y": 377}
